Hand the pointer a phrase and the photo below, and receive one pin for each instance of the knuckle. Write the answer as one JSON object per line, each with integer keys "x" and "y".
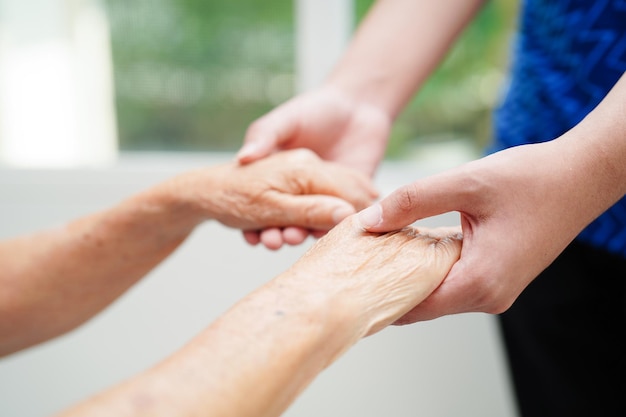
{"x": 310, "y": 216}
{"x": 405, "y": 199}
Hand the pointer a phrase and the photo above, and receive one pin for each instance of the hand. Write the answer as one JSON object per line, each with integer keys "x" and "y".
{"x": 332, "y": 125}
{"x": 291, "y": 188}
{"x": 372, "y": 278}
{"x": 281, "y": 336}
{"x": 327, "y": 121}
{"x": 519, "y": 209}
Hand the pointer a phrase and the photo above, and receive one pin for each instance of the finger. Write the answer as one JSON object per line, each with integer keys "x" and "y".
{"x": 337, "y": 181}
{"x": 423, "y": 198}
{"x": 319, "y": 212}
{"x": 360, "y": 193}
{"x": 272, "y": 238}
{"x": 451, "y": 297}
{"x": 294, "y": 235}
{"x": 267, "y": 135}
{"x": 455, "y": 294}
{"x": 318, "y": 233}
{"x": 252, "y": 237}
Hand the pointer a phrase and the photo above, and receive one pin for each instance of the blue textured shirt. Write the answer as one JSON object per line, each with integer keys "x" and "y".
{"x": 568, "y": 55}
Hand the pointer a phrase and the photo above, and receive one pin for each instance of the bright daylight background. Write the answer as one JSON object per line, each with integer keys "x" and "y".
{"x": 121, "y": 94}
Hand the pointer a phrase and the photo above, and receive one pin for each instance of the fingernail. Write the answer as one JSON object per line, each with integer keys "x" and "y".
{"x": 341, "y": 213}
{"x": 371, "y": 216}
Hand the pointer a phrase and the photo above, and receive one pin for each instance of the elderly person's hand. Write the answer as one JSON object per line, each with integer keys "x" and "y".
{"x": 79, "y": 269}
{"x": 259, "y": 355}
{"x": 333, "y": 124}
{"x": 372, "y": 278}
{"x": 285, "y": 194}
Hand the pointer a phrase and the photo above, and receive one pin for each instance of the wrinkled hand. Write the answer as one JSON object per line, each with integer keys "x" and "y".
{"x": 328, "y": 122}
{"x": 291, "y": 188}
{"x": 374, "y": 278}
{"x": 519, "y": 209}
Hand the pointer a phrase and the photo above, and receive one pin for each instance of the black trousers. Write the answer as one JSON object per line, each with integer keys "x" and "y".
{"x": 564, "y": 337}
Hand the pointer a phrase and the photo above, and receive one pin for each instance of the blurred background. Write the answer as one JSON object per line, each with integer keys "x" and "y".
{"x": 191, "y": 75}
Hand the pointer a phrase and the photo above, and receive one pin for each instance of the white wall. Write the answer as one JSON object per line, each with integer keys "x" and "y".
{"x": 451, "y": 366}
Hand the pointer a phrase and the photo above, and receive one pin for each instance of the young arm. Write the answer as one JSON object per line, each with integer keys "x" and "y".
{"x": 396, "y": 48}
{"x": 257, "y": 357}
{"x": 348, "y": 118}
{"x": 54, "y": 280}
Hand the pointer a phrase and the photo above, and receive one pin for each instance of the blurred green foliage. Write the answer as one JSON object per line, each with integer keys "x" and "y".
{"x": 192, "y": 74}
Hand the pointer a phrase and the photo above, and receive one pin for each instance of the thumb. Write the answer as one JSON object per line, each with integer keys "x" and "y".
{"x": 265, "y": 136}
{"x": 421, "y": 199}
{"x": 317, "y": 212}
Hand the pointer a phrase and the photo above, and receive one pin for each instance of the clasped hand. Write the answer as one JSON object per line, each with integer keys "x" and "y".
{"x": 284, "y": 194}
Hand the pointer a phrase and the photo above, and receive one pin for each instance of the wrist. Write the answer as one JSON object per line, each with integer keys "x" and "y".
{"x": 173, "y": 205}
{"x": 319, "y": 298}
{"x": 333, "y": 308}
{"x": 369, "y": 92}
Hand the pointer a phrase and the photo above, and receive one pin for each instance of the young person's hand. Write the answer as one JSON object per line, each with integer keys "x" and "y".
{"x": 327, "y": 121}
{"x": 519, "y": 209}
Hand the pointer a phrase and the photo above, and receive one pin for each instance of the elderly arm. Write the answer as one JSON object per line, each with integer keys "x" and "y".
{"x": 257, "y": 357}
{"x": 54, "y": 280}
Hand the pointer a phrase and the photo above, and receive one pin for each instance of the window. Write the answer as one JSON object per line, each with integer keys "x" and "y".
{"x": 192, "y": 74}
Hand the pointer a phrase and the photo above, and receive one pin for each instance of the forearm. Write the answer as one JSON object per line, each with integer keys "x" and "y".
{"x": 396, "y": 48}
{"x": 253, "y": 361}
{"x": 54, "y": 280}
{"x": 593, "y": 155}
{"x": 257, "y": 357}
